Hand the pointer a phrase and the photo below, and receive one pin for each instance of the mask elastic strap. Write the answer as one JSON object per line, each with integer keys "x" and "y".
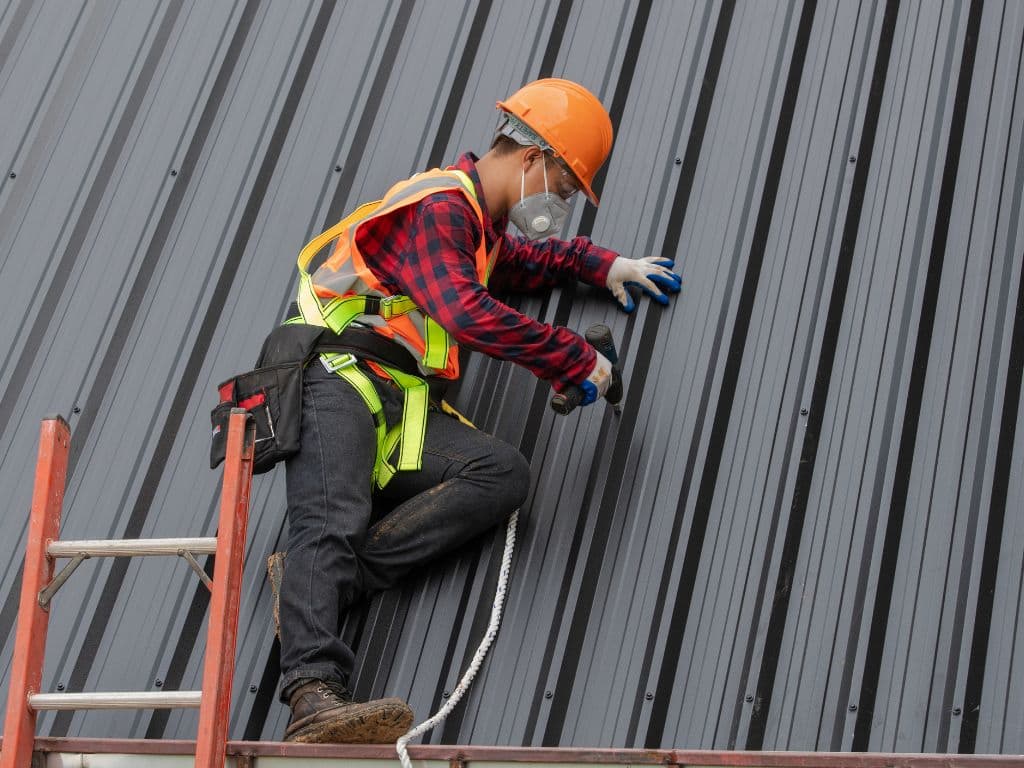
{"x": 522, "y": 180}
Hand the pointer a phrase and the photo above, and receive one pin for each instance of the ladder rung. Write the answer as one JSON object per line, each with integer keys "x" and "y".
{"x": 131, "y": 547}
{"x": 116, "y": 700}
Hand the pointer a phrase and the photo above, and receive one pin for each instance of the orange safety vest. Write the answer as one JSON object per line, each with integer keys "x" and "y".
{"x": 344, "y": 289}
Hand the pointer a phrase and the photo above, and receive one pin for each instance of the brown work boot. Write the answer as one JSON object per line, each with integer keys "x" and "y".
{"x": 324, "y": 713}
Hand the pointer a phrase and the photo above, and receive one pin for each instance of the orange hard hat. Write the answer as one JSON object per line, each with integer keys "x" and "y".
{"x": 570, "y": 119}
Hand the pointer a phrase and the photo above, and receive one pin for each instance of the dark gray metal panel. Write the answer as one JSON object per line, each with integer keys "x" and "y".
{"x": 803, "y": 532}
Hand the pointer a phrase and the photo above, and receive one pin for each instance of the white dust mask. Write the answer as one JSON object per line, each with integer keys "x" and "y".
{"x": 541, "y": 215}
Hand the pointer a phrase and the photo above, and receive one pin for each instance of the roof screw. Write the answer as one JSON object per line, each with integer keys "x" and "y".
{"x": 853, "y": 158}
{"x": 749, "y": 698}
{"x": 159, "y": 683}
{"x": 60, "y": 686}
{"x": 679, "y": 161}
{"x": 548, "y": 694}
{"x": 76, "y": 409}
{"x": 956, "y": 711}
{"x": 446, "y": 694}
{"x": 649, "y": 696}
{"x": 253, "y": 689}
{"x": 853, "y": 707}
{"x": 337, "y": 169}
{"x": 14, "y": 175}
{"x": 174, "y": 172}
{"x": 803, "y": 411}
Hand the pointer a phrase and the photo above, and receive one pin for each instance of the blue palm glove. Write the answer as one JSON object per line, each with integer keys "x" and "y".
{"x": 652, "y": 274}
{"x": 596, "y": 384}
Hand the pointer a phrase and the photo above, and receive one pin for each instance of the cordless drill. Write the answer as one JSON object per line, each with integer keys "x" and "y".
{"x": 599, "y": 336}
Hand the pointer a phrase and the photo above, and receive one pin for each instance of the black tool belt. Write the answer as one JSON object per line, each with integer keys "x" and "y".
{"x": 272, "y": 391}
{"x": 366, "y": 344}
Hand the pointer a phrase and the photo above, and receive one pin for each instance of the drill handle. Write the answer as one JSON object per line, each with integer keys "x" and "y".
{"x": 599, "y": 336}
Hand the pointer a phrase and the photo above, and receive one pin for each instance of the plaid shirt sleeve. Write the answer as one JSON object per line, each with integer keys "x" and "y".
{"x": 530, "y": 265}
{"x": 438, "y": 271}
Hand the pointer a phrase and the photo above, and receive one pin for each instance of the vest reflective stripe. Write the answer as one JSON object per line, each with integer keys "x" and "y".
{"x": 436, "y": 353}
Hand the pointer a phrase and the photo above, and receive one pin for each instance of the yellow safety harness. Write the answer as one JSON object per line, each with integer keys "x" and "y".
{"x": 408, "y": 435}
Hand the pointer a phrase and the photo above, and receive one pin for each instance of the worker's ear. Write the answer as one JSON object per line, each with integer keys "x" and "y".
{"x": 531, "y": 156}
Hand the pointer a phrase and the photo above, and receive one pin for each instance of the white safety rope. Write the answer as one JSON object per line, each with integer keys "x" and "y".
{"x": 481, "y": 652}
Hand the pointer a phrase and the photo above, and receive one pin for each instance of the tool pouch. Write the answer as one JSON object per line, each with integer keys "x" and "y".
{"x": 272, "y": 393}
{"x": 273, "y": 396}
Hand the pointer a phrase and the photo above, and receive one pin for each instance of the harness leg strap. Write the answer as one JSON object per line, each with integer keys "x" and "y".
{"x": 414, "y": 418}
{"x": 408, "y": 435}
{"x": 362, "y": 384}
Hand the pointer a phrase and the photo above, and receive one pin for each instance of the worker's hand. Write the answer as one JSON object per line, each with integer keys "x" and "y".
{"x": 653, "y": 274}
{"x": 596, "y": 384}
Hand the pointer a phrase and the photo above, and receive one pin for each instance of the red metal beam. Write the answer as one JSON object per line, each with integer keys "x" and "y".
{"x": 30, "y": 639}
{"x": 222, "y": 634}
{"x": 470, "y": 754}
{"x": 668, "y": 757}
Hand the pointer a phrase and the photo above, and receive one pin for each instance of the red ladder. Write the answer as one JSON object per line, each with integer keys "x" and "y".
{"x": 38, "y": 587}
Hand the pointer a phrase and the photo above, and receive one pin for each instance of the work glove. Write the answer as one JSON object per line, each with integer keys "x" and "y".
{"x": 596, "y": 384}
{"x": 653, "y": 274}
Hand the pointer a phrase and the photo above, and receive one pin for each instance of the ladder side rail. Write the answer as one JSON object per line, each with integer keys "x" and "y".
{"x": 222, "y": 632}
{"x": 30, "y": 638}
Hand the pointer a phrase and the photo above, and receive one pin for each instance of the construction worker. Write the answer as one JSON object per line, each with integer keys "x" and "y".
{"x": 400, "y": 283}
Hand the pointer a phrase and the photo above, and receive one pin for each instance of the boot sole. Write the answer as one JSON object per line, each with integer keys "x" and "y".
{"x": 378, "y": 723}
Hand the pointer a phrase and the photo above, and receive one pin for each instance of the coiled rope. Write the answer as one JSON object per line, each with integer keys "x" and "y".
{"x": 481, "y": 652}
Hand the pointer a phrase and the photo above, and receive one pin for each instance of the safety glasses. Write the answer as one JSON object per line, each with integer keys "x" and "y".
{"x": 567, "y": 184}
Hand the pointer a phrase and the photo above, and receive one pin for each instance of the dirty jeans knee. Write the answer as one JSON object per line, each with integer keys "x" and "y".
{"x": 470, "y": 482}
{"x": 511, "y": 478}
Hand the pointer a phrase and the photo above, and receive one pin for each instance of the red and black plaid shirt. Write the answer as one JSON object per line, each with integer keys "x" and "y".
{"x": 428, "y": 252}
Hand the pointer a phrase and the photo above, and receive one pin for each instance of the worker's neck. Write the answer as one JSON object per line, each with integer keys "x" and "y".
{"x": 494, "y": 173}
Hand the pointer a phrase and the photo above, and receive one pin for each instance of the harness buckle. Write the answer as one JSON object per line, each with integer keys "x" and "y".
{"x": 372, "y": 306}
{"x": 336, "y": 362}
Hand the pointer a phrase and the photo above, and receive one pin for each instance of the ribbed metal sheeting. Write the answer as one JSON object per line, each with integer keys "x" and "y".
{"x": 805, "y": 529}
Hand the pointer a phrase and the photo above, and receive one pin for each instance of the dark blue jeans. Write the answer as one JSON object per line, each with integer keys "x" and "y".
{"x": 337, "y": 551}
